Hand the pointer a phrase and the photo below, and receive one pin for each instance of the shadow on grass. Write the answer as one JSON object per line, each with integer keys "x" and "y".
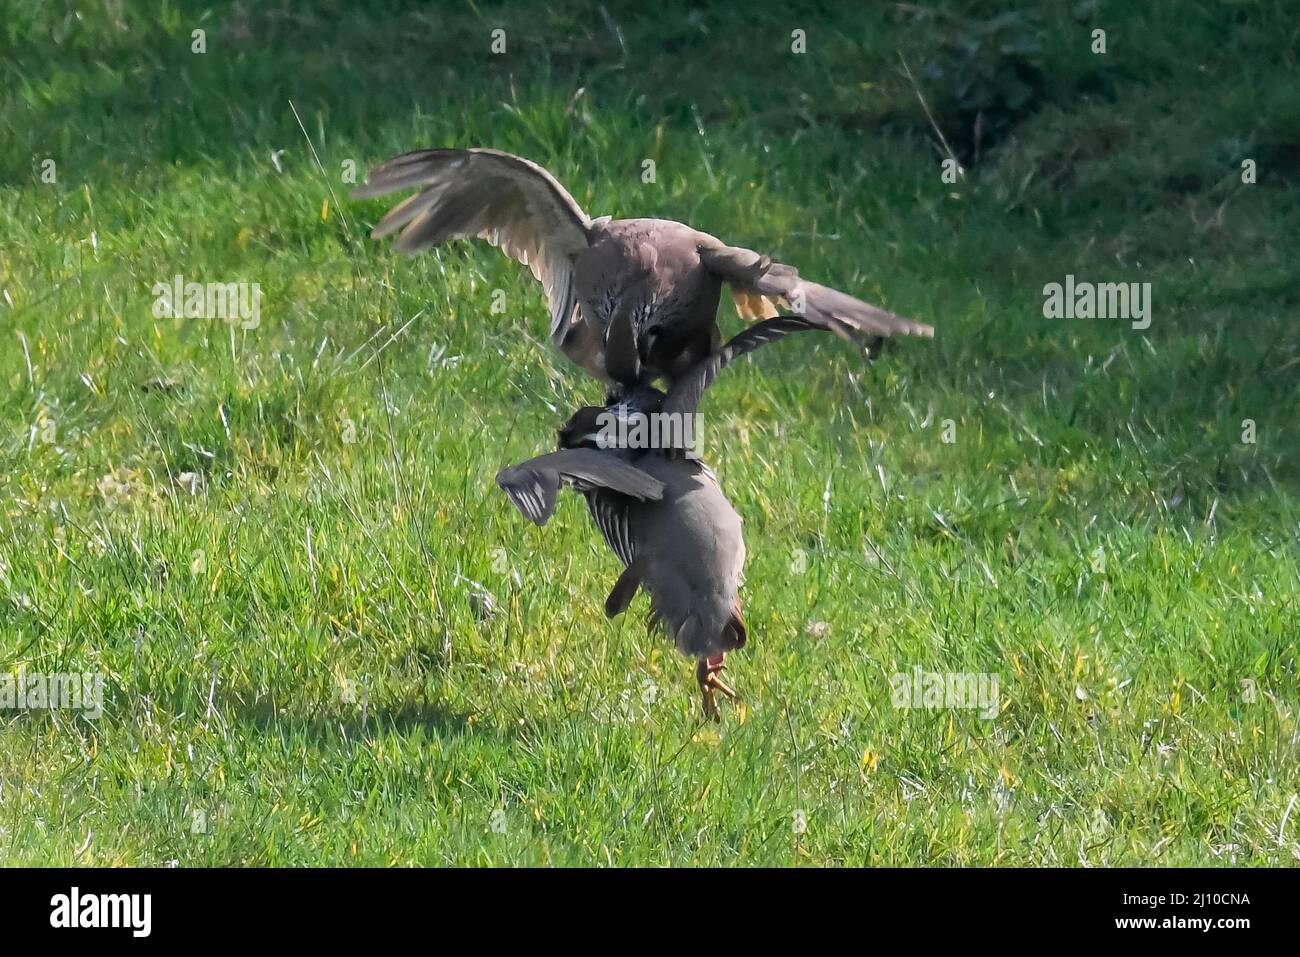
{"x": 331, "y": 727}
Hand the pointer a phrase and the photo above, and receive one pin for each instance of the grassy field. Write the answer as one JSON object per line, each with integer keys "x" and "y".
{"x": 266, "y": 538}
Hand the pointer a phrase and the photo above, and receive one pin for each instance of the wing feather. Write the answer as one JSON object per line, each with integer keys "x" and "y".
{"x": 759, "y": 286}
{"x": 511, "y": 202}
{"x": 533, "y": 485}
{"x": 686, "y": 392}
{"x": 610, "y": 513}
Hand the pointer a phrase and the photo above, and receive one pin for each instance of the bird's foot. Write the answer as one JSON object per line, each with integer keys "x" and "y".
{"x": 706, "y": 673}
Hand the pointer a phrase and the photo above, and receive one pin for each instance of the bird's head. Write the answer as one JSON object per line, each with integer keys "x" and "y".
{"x": 591, "y": 424}
{"x": 582, "y": 429}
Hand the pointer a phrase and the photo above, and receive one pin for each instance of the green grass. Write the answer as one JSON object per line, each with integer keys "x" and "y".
{"x": 233, "y": 624}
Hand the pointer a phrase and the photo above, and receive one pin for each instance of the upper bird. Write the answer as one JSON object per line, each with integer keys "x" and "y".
{"x": 632, "y": 300}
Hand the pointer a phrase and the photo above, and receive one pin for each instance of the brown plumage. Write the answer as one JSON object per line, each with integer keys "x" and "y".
{"x": 631, "y": 300}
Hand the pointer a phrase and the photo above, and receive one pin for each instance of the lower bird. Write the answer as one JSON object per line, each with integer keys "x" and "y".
{"x": 660, "y": 511}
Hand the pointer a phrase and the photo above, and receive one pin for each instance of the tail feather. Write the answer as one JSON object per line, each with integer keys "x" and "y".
{"x": 735, "y": 634}
{"x": 694, "y": 638}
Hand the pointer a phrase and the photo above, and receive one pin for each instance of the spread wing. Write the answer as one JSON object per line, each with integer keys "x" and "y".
{"x": 684, "y": 396}
{"x": 533, "y": 485}
{"x": 511, "y": 202}
{"x": 761, "y": 288}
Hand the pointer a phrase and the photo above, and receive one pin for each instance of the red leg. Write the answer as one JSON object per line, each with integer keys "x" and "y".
{"x": 706, "y": 673}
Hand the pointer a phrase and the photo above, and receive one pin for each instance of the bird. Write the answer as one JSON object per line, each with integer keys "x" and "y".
{"x": 661, "y": 512}
{"x": 671, "y": 526}
{"x": 632, "y": 301}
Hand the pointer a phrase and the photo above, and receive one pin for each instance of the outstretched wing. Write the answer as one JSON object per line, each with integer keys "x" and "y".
{"x": 761, "y": 288}
{"x": 511, "y": 202}
{"x": 533, "y": 485}
{"x": 684, "y": 396}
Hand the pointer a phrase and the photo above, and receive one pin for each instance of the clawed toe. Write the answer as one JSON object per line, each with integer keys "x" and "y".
{"x": 706, "y": 673}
